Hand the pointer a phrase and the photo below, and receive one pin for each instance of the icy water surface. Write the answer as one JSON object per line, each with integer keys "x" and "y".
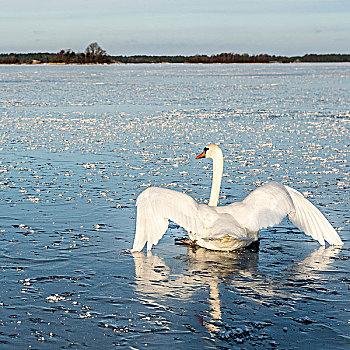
{"x": 79, "y": 143}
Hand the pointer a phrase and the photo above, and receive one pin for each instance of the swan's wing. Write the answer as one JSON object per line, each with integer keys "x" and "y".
{"x": 310, "y": 220}
{"x": 270, "y": 203}
{"x": 155, "y": 206}
{"x": 265, "y": 206}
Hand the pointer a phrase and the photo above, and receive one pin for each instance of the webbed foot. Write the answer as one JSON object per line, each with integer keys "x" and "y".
{"x": 185, "y": 241}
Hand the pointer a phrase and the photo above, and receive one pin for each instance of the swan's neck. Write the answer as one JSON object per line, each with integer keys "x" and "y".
{"x": 218, "y": 166}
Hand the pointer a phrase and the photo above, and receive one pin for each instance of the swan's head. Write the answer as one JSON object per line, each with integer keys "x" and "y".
{"x": 211, "y": 151}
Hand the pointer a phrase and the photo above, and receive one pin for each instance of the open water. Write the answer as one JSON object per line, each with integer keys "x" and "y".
{"x": 77, "y": 146}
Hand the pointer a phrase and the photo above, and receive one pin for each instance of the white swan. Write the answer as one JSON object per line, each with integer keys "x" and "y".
{"x": 226, "y": 227}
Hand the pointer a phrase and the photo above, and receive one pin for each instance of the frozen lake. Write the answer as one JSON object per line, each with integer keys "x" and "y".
{"x": 77, "y": 146}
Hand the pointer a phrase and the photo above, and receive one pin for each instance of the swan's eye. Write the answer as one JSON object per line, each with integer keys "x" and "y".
{"x": 206, "y": 149}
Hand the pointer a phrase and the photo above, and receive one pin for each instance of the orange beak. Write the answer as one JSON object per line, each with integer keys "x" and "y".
{"x": 202, "y": 155}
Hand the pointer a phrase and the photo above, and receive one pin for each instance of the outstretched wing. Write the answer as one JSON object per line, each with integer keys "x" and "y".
{"x": 265, "y": 206}
{"x": 155, "y": 206}
{"x": 310, "y": 220}
{"x": 269, "y": 204}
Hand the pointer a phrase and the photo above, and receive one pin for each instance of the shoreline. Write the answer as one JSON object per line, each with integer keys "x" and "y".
{"x": 170, "y": 63}
{"x": 101, "y": 57}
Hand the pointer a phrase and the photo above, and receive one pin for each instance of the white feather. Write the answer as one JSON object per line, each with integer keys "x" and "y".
{"x": 310, "y": 220}
{"x": 266, "y": 206}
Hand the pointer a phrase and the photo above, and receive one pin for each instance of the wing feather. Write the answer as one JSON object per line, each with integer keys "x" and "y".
{"x": 310, "y": 220}
{"x": 269, "y": 204}
{"x": 265, "y": 206}
{"x": 155, "y": 206}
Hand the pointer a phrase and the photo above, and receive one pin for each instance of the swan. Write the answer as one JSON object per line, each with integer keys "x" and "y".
{"x": 229, "y": 227}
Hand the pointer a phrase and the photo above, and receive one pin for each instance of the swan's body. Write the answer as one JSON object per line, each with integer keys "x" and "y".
{"x": 227, "y": 227}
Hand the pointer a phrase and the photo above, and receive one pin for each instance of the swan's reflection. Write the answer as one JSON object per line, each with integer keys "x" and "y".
{"x": 152, "y": 274}
{"x": 210, "y": 268}
{"x": 317, "y": 261}
{"x": 205, "y": 268}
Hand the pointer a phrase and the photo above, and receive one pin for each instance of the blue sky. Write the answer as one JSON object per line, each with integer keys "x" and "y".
{"x": 169, "y": 27}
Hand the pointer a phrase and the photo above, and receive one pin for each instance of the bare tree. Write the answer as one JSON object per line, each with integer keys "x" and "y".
{"x": 94, "y": 52}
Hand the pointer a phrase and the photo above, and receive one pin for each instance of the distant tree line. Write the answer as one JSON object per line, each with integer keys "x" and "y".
{"x": 232, "y": 58}
{"x": 94, "y": 54}
{"x": 221, "y": 58}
